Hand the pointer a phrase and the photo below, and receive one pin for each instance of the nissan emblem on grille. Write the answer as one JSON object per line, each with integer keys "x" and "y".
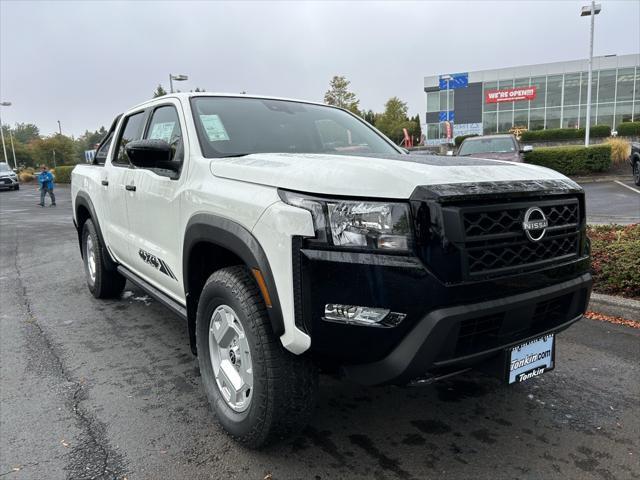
{"x": 535, "y": 224}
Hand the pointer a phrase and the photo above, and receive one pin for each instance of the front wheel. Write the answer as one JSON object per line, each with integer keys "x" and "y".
{"x": 102, "y": 282}
{"x": 258, "y": 391}
{"x": 636, "y": 172}
{"x": 17, "y": 187}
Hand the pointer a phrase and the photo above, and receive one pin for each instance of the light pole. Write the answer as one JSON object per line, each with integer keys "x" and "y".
{"x": 448, "y": 78}
{"x": 13, "y": 150}
{"x": 177, "y": 78}
{"x": 59, "y": 127}
{"x": 590, "y": 10}
{"x": 4, "y": 148}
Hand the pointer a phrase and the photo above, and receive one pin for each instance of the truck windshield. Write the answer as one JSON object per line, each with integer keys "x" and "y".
{"x": 472, "y": 146}
{"x": 4, "y": 167}
{"x": 231, "y": 126}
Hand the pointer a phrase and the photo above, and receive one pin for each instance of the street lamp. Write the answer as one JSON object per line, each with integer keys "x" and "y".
{"x": 4, "y": 148}
{"x": 590, "y": 10}
{"x": 177, "y": 78}
{"x": 448, "y": 78}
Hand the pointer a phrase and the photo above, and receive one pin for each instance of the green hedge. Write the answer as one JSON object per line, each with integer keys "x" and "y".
{"x": 62, "y": 174}
{"x": 572, "y": 160}
{"x": 460, "y": 138}
{"x": 597, "y": 131}
{"x": 629, "y": 129}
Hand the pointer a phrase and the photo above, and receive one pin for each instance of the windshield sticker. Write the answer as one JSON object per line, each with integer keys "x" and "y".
{"x": 162, "y": 131}
{"x": 214, "y": 128}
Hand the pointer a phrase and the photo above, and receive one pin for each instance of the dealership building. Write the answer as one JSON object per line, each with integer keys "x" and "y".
{"x": 533, "y": 97}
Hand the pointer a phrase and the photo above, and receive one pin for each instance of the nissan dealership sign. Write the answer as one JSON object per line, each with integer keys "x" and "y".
{"x": 510, "y": 95}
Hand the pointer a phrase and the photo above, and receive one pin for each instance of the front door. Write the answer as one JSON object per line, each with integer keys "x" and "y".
{"x": 154, "y": 207}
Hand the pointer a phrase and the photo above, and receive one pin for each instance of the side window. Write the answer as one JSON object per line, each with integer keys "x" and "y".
{"x": 165, "y": 125}
{"x": 101, "y": 154}
{"x": 132, "y": 131}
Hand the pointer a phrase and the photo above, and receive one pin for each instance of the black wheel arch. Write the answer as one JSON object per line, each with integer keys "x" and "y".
{"x": 239, "y": 245}
{"x": 85, "y": 210}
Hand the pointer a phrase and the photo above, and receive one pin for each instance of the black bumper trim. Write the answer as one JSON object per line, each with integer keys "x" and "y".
{"x": 417, "y": 352}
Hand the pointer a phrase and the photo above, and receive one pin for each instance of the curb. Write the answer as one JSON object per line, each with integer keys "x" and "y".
{"x": 615, "y": 306}
{"x": 611, "y": 178}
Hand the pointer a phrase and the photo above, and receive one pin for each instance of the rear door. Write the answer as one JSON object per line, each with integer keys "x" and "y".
{"x": 117, "y": 185}
{"x": 154, "y": 207}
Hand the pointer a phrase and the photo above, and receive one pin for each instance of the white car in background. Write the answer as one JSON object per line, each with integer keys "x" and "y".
{"x": 8, "y": 178}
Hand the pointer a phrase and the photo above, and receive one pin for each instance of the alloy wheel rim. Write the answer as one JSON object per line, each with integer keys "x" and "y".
{"x": 91, "y": 259}
{"x": 230, "y": 358}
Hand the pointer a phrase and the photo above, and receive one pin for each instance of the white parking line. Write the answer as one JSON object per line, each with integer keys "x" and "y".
{"x": 626, "y": 186}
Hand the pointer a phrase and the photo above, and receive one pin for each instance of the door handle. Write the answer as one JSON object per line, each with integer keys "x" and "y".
{"x": 131, "y": 188}
{"x": 105, "y": 183}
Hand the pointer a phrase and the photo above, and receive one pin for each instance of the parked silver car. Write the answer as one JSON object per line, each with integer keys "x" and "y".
{"x": 8, "y": 178}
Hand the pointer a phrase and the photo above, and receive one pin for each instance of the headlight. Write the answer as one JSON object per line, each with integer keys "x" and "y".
{"x": 356, "y": 223}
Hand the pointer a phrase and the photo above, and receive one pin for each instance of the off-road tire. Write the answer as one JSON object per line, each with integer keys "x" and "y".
{"x": 284, "y": 384}
{"x": 17, "y": 187}
{"x": 108, "y": 283}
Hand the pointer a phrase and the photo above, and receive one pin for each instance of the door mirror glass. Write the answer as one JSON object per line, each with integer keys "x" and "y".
{"x": 152, "y": 154}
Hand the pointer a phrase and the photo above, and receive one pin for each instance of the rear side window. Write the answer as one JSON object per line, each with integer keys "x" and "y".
{"x": 132, "y": 131}
{"x": 101, "y": 154}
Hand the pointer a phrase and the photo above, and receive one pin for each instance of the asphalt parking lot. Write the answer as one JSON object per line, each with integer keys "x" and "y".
{"x": 109, "y": 389}
{"x": 613, "y": 202}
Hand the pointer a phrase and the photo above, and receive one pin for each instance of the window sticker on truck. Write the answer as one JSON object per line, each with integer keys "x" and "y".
{"x": 214, "y": 128}
{"x": 162, "y": 131}
{"x": 156, "y": 263}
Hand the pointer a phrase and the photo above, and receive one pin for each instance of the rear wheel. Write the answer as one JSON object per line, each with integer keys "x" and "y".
{"x": 258, "y": 391}
{"x": 102, "y": 283}
{"x": 636, "y": 172}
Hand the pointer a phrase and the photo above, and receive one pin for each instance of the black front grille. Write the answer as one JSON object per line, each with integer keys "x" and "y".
{"x": 509, "y": 220}
{"x": 509, "y": 255}
{"x": 492, "y": 240}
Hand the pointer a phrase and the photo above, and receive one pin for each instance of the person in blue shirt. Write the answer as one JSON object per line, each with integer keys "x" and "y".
{"x": 45, "y": 179}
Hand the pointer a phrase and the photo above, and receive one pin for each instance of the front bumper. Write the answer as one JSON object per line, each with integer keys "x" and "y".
{"x": 429, "y": 345}
{"x": 448, "y": 326}
{"x": 8, "y": 183}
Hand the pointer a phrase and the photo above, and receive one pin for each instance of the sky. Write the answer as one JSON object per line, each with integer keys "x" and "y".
{"x": 82, "y": 63}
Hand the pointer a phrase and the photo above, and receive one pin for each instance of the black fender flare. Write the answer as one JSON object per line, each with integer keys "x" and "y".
{"x": 83, "y": 200}
{"x": 225, "y": 233}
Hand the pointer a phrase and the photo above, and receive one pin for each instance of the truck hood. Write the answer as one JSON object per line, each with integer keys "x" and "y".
{"x": 390, "y": 176}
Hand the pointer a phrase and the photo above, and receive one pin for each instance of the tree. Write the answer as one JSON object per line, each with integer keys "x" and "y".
{"x": 339, "y": 95}
{"x": 370, "y": 117}
{"x": 417, "y": 131}
{"x": 22, "y": 132}
{"x": 394, "y": 119}
{"x": 88, "y": 141}
{"x": 159, "y": 92}
{"x": 65, "y": 150}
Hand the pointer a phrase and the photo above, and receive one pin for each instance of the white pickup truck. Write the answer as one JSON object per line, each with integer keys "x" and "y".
{"x": 294, "y": 237}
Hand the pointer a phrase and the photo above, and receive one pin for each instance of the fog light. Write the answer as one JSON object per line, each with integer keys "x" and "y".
{"x": 367, "y": 316}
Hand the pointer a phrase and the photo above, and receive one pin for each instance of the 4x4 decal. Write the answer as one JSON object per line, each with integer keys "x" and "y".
{"x": 156, "y": 263}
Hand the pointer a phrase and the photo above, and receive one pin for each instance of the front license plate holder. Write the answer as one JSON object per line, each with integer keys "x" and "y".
{"x": 530, "y": 359}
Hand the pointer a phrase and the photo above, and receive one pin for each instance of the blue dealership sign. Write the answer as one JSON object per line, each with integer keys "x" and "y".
{"x": 442, "y": 117}
{"x": 457, "y": 80}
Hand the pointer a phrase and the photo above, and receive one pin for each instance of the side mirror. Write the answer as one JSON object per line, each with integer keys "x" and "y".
{"x": 152, "y": 154}
{"x": 526, "y": 148}
{"x": 449, "y": 153}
